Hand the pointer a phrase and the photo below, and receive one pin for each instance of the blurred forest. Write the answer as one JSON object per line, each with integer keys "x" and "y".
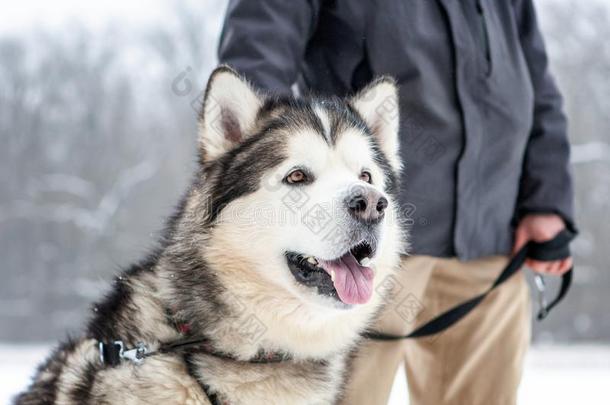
{"x": 98, "y": 134}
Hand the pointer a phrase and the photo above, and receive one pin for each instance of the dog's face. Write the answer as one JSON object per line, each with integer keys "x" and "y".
{"x": 301, "y": 192}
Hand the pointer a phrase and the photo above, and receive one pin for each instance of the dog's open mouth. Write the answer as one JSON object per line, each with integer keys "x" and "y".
{"x": 347, "y": 278}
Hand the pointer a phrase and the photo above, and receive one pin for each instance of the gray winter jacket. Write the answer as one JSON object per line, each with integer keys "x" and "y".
{"x": 483, "y": 134}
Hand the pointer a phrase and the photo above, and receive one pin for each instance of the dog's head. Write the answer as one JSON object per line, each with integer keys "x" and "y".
{"x": 301, "y": 192}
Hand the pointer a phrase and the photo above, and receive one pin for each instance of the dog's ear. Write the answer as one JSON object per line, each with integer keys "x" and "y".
{"x": 228, "y": 113}
{"x": 377, "y": 104}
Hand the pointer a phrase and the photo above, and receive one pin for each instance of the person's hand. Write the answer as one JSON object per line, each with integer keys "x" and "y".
{"x": 541, "y": 228}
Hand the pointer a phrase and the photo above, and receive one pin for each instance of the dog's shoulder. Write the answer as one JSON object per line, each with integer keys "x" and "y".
{"x": 132, "y": 311}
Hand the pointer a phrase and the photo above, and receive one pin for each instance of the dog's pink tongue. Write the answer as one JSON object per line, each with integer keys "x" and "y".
{"x": 353, "y": 282}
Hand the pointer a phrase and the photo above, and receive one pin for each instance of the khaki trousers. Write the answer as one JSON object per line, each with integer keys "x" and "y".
{"x": 477, "y": 361}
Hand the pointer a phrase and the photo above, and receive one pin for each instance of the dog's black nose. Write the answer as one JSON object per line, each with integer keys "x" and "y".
{"x": 366, "y": 205}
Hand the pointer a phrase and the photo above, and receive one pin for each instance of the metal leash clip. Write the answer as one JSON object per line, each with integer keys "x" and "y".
{"x": 135, "y": 355}
{"x": 542, "y": 302}
{"x": 117, "y": 350}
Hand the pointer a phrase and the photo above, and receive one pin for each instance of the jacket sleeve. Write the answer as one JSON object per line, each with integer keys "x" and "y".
{"x": 546, "y": 181}
{"x": 265, "y": 40}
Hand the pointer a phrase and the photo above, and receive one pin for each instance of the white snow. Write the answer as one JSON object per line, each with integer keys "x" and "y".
{"x": 17, "y": 364}
{"x": 558, "y": 375}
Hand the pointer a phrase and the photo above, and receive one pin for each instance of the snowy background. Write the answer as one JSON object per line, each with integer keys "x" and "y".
{"x": 97, "y": 127}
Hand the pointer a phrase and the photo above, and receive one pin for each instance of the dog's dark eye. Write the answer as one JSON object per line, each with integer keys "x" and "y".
{"x": 296, "y": 176}
{"x": 365, "y": 176}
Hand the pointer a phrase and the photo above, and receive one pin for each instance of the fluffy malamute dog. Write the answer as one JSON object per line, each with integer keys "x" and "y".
{"x": 266, "y": 274}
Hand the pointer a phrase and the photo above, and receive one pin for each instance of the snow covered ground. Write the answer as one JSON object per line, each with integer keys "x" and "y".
{"x": 558, "y": 375}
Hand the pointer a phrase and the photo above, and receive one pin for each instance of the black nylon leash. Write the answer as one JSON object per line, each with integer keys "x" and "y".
{"x": 554, "y": 249}
{"x": 114, "y": 352}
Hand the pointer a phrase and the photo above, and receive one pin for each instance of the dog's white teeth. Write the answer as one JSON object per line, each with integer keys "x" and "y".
{"x": 365, "y": 262}
{"x": 332, "y": 275}
{"x": 312, "y": 260}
